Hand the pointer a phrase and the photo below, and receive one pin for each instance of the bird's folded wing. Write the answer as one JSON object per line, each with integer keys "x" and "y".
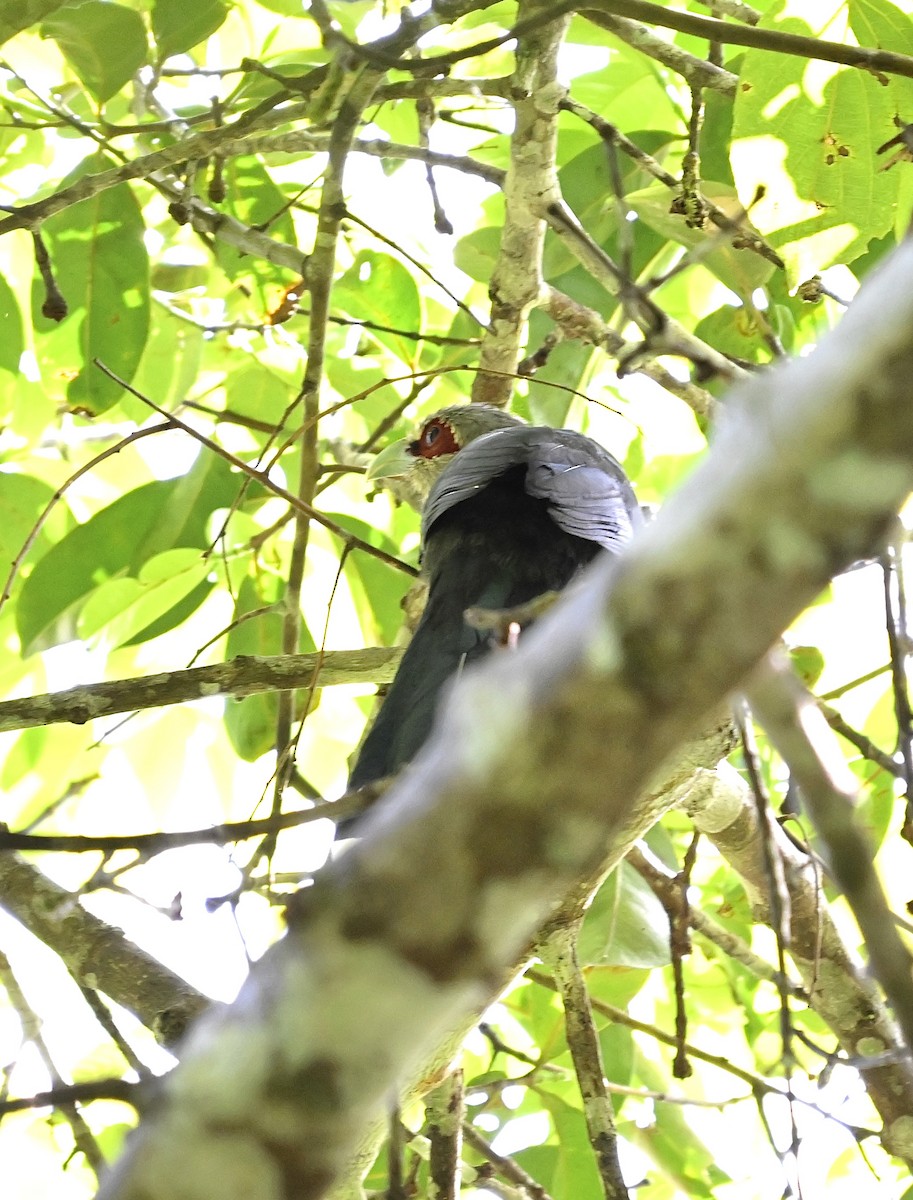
{"x": 584, "y": 499}
{"x": 586, "y": 489}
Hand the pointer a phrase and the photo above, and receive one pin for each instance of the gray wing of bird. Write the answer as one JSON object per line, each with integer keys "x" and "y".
{"x": 586, "y": 489}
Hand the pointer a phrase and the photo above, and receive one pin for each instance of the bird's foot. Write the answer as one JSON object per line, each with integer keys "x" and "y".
{"x": 505, "y": 624}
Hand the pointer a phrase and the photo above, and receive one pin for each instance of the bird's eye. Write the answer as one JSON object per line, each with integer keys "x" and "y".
{"x": 436, "y": 439}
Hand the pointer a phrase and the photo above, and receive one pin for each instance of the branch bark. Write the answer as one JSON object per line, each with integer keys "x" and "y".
{"x": 97, "y": 954}
{"x": 246, "y": 675}
{"x": 531, "y": 185}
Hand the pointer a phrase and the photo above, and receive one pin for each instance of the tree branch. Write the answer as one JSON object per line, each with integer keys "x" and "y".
{"x": 241, "y": 676}
{"x": 729, "y": 34}
{"x": 98, "y": 955}
{"x": 531, "y": 178}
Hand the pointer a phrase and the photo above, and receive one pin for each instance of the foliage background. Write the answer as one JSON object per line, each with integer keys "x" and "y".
{"x": 136, "y": 550}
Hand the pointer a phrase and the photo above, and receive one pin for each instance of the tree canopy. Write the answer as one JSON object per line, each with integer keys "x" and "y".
{"x": 242, "y": 247}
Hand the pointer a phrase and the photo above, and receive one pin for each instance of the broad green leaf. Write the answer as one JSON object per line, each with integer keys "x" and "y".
{"x": 116, "y": 542}
{"x": 351, "y": 14}
{"x": 177, "y": 25}
{"x": 178, "y": 277}
{"x": 377, "y": 589}
{"x": 250, "y": 721}
{"x": 285, "y": 8}
{"x": 11, "y": 343}
{"x": 625, "y": 925}
{"x": 378, "y": 289}
{"x": 24, "y": 756}
{"x": 617, "y": 1045}
{"x": 169, "y": 367}
{"x": 254, "y": 199}
{"x": 17, "y": 15}
{"x": 878, "y": 801}
{"x": 104, "y": 43}
{"x": 882, "y": 25}
{"x": 495, "y": 15}
{"x": 823, "y": 199}
{"x": 673, "y": 1144}
{"x": 259, "y": 394}
{"x": 539, "y": 1010}
{"x": 477, "y": 253}
{"x": 124, "y": 608}
{"x": 628, "y": 84}
{"x": 808, "y": 662}
{"x": 733, "y": 329}
{"x": 101, "y": 267}
{"x": 587, "y": 185}
{"x": 22, "y": 500}
{"x": 573, "y": 1172}
{"x": 616, "y": 985}
{"x": 46, "y": 756}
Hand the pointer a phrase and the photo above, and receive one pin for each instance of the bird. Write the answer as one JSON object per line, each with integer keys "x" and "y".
{"x": 510, "y": 511}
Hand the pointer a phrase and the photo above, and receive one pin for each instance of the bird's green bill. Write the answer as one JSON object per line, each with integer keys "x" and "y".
{"x": 394, "y": 460}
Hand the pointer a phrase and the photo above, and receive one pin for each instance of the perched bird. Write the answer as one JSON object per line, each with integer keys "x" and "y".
{"x": 510, "y": 511}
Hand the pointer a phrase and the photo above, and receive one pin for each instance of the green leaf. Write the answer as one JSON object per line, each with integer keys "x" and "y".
{"x": 124, "y": 608}
{"x": 12, "y": 343}
{"x": 377, "y": 288}
{"x": 169, "y": 367}
{"x": 617, "y": 1045}
{"x": 100, "y": 264}
{"x": 258, "y": 393}
{"x": 625, "y": 925}
{"x": 881, "y": 24}
{"x": 808, "y": 662}
{"x": 377, "y": 589}
{"x": 350, "y": 15}
{"x": 104, "y": 43}
{"x": 672, "y": 1143}
{"x": 573, "y": 1171}
{"x": 285, "y": 8}
{"x": 823, "y": 199}
{"x": 22, "y": 499}
{"x": 254, "y": 199}
{"x": 116, "y": 542}
{"x": 616, "y": 985}
{"x": 177, "y": 25}
{"x": 250, "y": 721}
{"x": 477, "y": 253}
{"x": 629, "y": 82}
{"x": 732, "y": 329}
{"x": 16, "y": 15}
{"x": 877, "y": 800}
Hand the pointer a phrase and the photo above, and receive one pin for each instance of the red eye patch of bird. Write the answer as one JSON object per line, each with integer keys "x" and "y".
{"x": 437, "y": 438}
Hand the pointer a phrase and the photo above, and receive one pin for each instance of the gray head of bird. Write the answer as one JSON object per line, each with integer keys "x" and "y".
{"x": 412, "y": 466}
